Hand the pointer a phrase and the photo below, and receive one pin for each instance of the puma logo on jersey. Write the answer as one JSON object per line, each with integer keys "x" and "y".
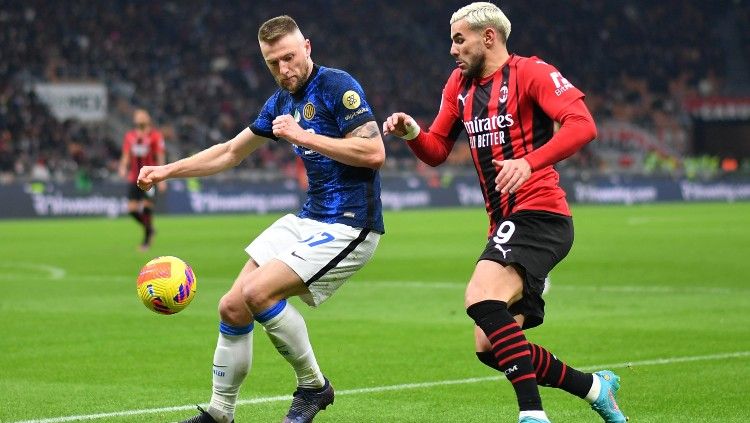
{"x": 462, "y": 99}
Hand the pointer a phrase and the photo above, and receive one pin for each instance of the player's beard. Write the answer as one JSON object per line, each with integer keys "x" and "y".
{"x": 474, "y": 66}
{"x": 301, "y": 79}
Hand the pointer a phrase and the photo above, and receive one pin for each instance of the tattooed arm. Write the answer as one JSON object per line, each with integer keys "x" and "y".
{"x": 362, "y": 147}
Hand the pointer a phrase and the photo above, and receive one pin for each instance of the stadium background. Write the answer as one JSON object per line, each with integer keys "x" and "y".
{"x": 657, "y": 290}
{"x": 667, "y": 83}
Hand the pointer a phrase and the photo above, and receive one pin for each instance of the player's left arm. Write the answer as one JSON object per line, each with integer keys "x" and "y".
{"x": 361, "y": 147}
{"x": 564, "y": 103}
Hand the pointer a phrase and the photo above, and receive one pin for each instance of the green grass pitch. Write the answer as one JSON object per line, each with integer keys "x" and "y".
{"x": 658, "y": 293}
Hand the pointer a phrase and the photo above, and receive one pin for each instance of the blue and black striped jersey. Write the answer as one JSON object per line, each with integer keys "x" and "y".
{"x": 331, "y": 103}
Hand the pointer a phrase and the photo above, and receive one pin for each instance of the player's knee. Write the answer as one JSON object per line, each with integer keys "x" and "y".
{"x": 233, "y": 310}
{"x": 503, "y": 288}
{"x": 256, "y": 298}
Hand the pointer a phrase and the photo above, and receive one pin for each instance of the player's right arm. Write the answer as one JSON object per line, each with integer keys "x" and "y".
{"x": 433, "y": 146}
{"x": 210, "y": 161}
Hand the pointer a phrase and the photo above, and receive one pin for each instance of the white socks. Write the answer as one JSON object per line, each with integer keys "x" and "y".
{"x": 592, "y": 396}
{"x": 595, "y": 390}
{"x": 288, "y": 333}
{"x": 233, "y": 356}
{"x": 538, "y": 414}
{"x": 232, "y": 360}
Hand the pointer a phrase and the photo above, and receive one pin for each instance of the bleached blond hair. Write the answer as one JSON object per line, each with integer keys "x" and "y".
{"x": 482, "y": 14}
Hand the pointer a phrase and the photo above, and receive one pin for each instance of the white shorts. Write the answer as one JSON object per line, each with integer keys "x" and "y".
{"x": 324, "y": 255}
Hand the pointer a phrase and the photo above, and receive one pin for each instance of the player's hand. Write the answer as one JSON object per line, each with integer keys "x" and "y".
{"x": 401, "y": 125}
{"x": 512, "y": 174}
{"x": 150, "y": 176}
{"x": 286, "y": 127}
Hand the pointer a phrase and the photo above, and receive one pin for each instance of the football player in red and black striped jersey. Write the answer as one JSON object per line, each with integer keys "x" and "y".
{"x": 142, "y": 146}
{"x": 508, "y": 105}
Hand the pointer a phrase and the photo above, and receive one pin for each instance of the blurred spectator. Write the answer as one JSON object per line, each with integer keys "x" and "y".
{"x": 195, "y": 64}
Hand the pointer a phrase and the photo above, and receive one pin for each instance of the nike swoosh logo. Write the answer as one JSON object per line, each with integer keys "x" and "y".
{"x": 216, "y": 365}
{"x": 294, "y": 253}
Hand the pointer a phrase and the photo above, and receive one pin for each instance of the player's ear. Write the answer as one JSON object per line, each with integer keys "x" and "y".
{"x": 490, "y": 36}
{"x": 308, "y": 47}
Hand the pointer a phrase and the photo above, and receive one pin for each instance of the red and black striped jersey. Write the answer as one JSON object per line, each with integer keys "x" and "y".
{"x": 144, "y": 149}
{"x": 509, "y": 115}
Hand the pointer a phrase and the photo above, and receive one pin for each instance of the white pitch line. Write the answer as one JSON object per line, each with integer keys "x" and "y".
{"x": 401, "y": 387}
{"x": 651, "y": 289}
{"x": 53, "y": 272}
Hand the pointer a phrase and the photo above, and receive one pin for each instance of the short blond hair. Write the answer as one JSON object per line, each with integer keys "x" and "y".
{"x": 483, "y": 14}
{"x": 275, "y": 28}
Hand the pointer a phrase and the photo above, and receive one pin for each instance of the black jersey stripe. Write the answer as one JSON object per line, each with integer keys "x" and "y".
{"x": 456, "y": 129}
{"x": 542, "y": 127}
{"x": 479, "y": 102}
{"x": 517, "y": 96}
{"x": 340, "y": 256}
{"x": 508, "y": 144}
{"x": 139, "y": 160}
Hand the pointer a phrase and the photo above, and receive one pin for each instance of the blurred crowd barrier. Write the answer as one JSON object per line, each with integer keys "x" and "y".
{"x": 209, "y": 196}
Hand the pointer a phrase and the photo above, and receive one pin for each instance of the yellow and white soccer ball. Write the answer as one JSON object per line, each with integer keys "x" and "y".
{"x": 166, "y": 285}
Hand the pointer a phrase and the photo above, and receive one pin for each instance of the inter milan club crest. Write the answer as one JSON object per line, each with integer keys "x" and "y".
{"x": 503, "y": 93}
{"x": 308, "y": 112}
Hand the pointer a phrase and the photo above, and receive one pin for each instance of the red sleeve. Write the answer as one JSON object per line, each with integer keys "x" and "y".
{"x": 434, "y": 146}
{"x": 431, "y": 147}
{"x": 576, "y": 130}
{"x": 548, "y": 88}
{"x": 448, "y": 119}
{"x": 563, "y": 102}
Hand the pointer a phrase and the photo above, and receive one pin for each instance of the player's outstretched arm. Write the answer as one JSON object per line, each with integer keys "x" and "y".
{"x": 210, "y": 161}
{"x": 429, "y": 147}
{"x": 401, "y": 125}
{"x": 363, "y": 146}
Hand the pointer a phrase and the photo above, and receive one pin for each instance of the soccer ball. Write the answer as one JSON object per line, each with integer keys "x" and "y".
{"x": 166, "y": 285}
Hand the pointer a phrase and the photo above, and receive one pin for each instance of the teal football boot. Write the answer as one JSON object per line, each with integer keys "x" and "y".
{"x": 606, "y": 404}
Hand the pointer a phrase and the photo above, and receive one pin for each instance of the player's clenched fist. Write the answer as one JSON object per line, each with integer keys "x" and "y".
{"x": 286, "y": 127}
{"x": 151, "y": 175}
{"x": 401, "y": 125}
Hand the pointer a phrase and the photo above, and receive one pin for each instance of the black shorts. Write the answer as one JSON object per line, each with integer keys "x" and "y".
{"x": 137, "y": 194}
{"x": 534, "y": 242}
